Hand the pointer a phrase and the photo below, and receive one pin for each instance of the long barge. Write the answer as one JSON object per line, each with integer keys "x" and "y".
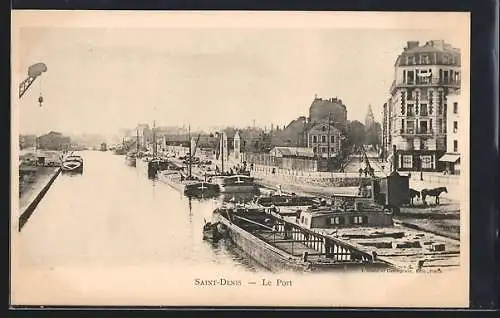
{"x": 281, "y": 245}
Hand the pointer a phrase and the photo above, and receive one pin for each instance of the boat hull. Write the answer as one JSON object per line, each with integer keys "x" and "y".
{"x": 278, "y": 260}
{"x": 190, "y": 188}
{"x": 72, "y": 166}
{"x": 131, "y": 161}
{"x": 260, "y": 251}
{"x": 238, "y": 188}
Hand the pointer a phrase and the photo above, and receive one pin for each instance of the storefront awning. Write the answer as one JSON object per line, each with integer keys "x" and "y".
{"x": 449, "y": 158}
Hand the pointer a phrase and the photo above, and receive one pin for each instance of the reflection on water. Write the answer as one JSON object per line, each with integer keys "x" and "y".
{"x": 113, "y": 214}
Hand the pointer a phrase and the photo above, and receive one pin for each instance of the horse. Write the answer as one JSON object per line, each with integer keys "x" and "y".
{"x": 413, "y": 193}
{"x": 433, "y": 193}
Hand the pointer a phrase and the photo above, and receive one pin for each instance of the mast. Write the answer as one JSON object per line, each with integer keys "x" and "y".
{"x": 154, "y": 138}
{"x": 190, "y": 154}
{"x": 222, "y": 151}
{"x": 137, "y": 140}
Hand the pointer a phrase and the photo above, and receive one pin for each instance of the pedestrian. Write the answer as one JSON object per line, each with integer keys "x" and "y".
{"x": 360, "y": 172}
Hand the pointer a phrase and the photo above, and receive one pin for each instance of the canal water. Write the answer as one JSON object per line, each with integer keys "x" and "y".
{"x": 113, "y": 215}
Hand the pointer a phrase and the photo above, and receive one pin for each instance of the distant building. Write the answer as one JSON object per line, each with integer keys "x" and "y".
{"x": 320, "y": 137}
{"x": 145, "y": 134}
{"x": 292, "y": 152}
{"x": 54, "y": 141}
{"x": 321, "y": 109}
{"x": 415, "y": 115}
{"x": 451, "y": 159}
{"x": 27, "y": 141}
{"x": 369, "y": 119}
{"x": 313, "y": 132}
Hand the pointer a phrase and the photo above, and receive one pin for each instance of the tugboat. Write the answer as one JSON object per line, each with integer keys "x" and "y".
{"x": 72, "y": 163}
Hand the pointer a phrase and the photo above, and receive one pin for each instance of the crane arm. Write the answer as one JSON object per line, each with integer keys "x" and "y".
{"x": 23, "y": 87}
{"x": 34, "y": 71}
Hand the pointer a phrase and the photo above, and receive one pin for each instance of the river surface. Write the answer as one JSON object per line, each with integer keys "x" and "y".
{"x": 113, "y": 215}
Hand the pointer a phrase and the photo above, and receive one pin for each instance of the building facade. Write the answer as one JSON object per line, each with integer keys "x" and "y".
{"x": 320, "y": 137}
{"x": 415, "y": 118}
{"x": 451, "y": 160}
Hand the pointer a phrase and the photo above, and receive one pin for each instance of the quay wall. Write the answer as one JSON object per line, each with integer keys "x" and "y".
{"x": 329, "y": 179}
{"x": 30, "y": 208}
{"x": 299, "y": 164}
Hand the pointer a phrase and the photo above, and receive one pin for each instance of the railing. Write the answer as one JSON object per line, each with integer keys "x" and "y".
{"x": 325, "y": 246}
{"x": 433, "y": 81}
{"x": 416, "y": 132}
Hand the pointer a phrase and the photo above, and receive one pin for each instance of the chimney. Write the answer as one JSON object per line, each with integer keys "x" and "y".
{"x": 411, "y": 44}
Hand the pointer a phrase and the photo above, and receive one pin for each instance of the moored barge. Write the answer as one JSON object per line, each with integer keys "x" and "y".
{"x": 282, "y": 245}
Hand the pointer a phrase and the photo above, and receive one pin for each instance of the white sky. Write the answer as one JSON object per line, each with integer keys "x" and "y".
{"x": 103, "y": 79}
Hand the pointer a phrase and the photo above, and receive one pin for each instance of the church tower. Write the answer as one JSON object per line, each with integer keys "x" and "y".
{"x": 369, "y": 119}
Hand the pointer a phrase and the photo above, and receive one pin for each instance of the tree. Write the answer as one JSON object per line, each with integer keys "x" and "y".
{"x": 355, "y": 133}
{"x": 372, "y": 135}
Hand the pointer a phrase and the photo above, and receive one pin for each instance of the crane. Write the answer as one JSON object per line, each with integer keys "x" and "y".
{"x": 34, "y": 71}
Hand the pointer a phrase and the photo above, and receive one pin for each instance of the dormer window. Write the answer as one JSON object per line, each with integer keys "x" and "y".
{"x": 424, "y": 59}
{"x": 410, "y": 59}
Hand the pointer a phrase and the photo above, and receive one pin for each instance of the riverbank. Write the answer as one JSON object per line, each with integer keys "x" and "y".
{"x": 33, "y": 186}
{"x": 441, "y": 220}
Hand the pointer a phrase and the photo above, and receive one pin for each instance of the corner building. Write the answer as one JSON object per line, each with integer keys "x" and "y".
{"x": 415, "y": 114}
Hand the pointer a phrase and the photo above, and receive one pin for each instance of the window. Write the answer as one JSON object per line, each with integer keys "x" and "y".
{"x": 410, "y": 77}
{"x": 332, "y": 138}
{"x": 423, "y": 127}
{"x": 426, "y": 162}
{"x": 410, "y": 59}
{"x": 423, "y": 110}
{"x": 455, "y": 108}
{"x": 455, "y": 146}
{"x": 410, "y": 127}
{"x": 424, "y": 59}
{"x": 336, "y": 220}
{"x": 402, "y": 125}
{"x": 332, "y": 149}
{"x": 357, "y": 219}
{"x": 323, "y": 128}
{"x": 323, "y": 149}
{"x": 455, "y": 127}
{"x": 315, "y": 139}
{"x": 323, "y": 138}
{"x": 440, "y": 126}
{"x": 445, "y": 59}
{"x": 410, "y": 110}
{"x": 423, "y": 144}
{"x": 407, "y": 161}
